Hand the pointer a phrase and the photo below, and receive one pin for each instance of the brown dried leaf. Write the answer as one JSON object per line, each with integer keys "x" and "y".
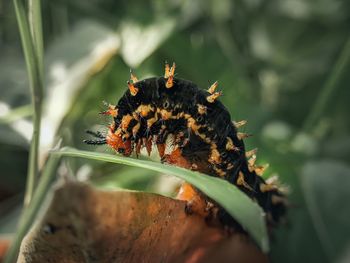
{"x": 83, "y": 224}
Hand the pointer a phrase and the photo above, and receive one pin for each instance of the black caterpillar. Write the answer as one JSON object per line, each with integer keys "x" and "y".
{"x": 203, "y": 136}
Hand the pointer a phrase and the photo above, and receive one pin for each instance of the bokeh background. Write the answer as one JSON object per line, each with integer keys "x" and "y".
{"x": 283, "y": 65}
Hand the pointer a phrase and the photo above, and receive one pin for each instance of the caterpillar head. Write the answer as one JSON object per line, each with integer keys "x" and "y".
{"x": 119, "y": 141}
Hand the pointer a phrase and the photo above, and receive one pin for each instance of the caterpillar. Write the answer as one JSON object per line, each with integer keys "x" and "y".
{"x": 203, "y": 136}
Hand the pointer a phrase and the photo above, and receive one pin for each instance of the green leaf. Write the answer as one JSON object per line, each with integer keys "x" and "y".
{"x": 17, "y": 113}
{"x": 235, "y": 202}
{"x": 326, "y": 189}
{"x": 132, "y": 178}
{"x": 34, "y": 68}
{"x": 35, "y": 23}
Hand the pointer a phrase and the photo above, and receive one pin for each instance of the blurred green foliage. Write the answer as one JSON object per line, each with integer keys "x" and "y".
{"x": 283, "y": 65}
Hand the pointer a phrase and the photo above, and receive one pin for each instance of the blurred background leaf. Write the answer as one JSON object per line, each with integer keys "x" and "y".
{"x": 272, "y": 59}
{"x": 329, "y": 212}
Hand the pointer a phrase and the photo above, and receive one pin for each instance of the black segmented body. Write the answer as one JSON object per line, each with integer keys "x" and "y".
{"x": 203, "y": 133}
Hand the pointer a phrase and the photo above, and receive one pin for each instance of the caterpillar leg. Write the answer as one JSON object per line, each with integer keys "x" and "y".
{"x": 196, "y": 202}
{"x": 176, "y": 158}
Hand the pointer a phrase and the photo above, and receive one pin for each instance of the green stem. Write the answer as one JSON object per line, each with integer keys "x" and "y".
{"x": 35, "y": 23}
{"x": 36, "y": 86}
{"x": 29, "y": 214}
{"x": 329, "y": 88}
{"x": 33, "y": 160}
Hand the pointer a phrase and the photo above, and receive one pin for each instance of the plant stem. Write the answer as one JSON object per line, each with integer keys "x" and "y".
{"x": 36, "y": 87}
{"x": 35, "y": 23}
{"x": 329, "y": 88}
{"x": 29, "y": 214}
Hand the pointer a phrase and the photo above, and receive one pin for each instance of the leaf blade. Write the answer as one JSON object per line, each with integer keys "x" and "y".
{"x": 242, "y": 208}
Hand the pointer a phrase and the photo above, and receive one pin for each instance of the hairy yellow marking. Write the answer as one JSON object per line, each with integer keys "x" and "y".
{"x": 273, "y": 180}
{"x": 144, "y": 109}
{"x": 267, "y": 187}
{"x": 126, "y": 135}
{"x": 191, "y": 123}
{"x": 135, "y": 115}
{"x": 186, "y": 116}
{"x": 165, "y": 115}
{"x": 133, "y": 78}
{"x": 202, "y": 136}
{"x": 172, "y": 69}
{"x": 180, "y": 115}
{"x": 151, "y": 121}
{"x": 252, "y": 160}
{"x": 194, "y": 166}
{"x": 167, "y": 70}
{"x": 169, "y": 74}
{"x": 213, "y": 97}
{"x": 230, "y": 166}
{"x": 241, "y": 135}
{"x": 219, "y": 171}
{"x": 170, "y": 82}
{"x": 132, "y": 88}
{"x": 259, "y": 170}
{"x": 214, "y": 156}
{"x": 213, "y": 87}
{"x": 202, "y": 109}
{"x": 229, "y": 144}
{"x": 250, "y": 153}
{"x": 126, "y": 121}
{"x": 118, "y": 131}
{"x": 239, "y": 124}
{"x": 112, "y": 111}
{"x": 241, "y": 182}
